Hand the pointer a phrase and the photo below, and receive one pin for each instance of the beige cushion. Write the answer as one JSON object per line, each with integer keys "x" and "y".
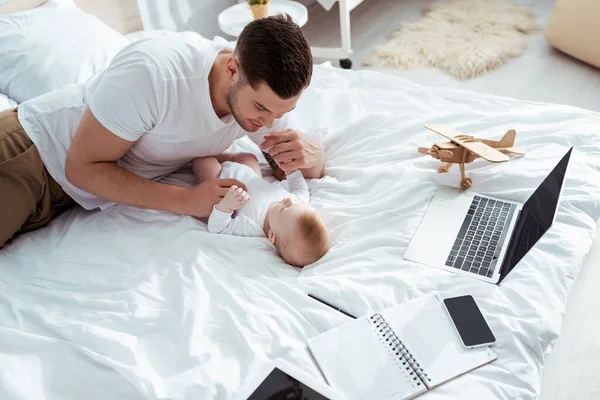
{"x": 574, "y": 28}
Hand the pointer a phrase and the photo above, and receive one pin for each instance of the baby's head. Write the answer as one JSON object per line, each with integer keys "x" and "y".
{"x": 297, "y": 231}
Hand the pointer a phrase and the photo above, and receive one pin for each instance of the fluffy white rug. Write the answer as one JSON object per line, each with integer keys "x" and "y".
{"x": 465, "y": 38}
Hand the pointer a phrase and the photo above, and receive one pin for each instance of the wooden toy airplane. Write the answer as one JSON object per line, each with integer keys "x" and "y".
{"x": 464, "y": 149}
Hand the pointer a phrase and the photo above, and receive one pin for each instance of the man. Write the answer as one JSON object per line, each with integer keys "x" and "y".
{"x": 159, "y": 104}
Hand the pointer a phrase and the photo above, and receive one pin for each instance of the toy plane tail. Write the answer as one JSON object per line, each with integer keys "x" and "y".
{"x": 508, "y": 140}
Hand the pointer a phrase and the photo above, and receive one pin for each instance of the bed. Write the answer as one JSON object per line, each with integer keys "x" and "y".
{"x": 139, "y": 304}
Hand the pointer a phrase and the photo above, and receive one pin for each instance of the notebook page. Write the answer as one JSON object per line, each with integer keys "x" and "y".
{"x": 427, "y": 332}
{"x": 354, "y": 361}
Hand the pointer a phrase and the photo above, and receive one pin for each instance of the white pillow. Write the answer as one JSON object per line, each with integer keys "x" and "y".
{"x": 51, "y": 46}
{"x": 5, "y": 102}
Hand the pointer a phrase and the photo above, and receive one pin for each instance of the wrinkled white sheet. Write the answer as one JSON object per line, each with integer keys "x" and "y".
{"x": 138, "y": 304}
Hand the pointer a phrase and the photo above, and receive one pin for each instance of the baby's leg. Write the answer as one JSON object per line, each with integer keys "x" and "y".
{"x": 248, "y": 159}
{"x": 206, "y": 168}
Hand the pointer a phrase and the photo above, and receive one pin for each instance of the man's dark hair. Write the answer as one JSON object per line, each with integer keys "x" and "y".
{"x": 274, "y": 50}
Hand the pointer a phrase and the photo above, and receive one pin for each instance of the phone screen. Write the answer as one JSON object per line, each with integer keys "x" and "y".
{"x": 469, "y": 322}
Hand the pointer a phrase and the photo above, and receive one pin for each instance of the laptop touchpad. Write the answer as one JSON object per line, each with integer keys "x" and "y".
{"x": 435, "y": 235}
{"x": 452, "y": 197}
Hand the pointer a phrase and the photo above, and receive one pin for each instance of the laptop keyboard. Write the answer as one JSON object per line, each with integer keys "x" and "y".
{"x": 481, "y": 235}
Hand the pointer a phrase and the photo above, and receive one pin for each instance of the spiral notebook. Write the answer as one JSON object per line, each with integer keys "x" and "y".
{"x": 397, "y": 354}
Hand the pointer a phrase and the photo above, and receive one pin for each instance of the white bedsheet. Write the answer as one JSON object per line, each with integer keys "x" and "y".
{"x": 6, "y": 102}
{"x": 138, "y": 304}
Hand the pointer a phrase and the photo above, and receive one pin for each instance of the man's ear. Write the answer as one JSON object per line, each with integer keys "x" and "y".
{"x": 271, "y": 236}
{"x": 232, "y": 69}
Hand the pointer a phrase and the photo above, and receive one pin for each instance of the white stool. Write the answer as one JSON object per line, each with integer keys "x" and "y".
{"x": 233, "y": 19}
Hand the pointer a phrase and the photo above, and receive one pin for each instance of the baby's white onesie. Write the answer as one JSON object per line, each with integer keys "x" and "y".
{"x": 250, "y": 219}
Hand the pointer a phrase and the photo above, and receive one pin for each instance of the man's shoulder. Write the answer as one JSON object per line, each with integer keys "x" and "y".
{"x": 172, "y": 39}
{"x": 176, "y": 48}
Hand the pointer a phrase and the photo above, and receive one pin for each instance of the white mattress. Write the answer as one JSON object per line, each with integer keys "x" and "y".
{"x": 138, "y": 304}
{"x": 571, "y": 370}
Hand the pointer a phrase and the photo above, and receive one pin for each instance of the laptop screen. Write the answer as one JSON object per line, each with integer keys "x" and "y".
{"x": 536, "y": 216}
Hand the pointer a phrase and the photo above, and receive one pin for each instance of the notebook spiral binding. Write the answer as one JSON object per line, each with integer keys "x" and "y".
{"x": 399, "y": 351}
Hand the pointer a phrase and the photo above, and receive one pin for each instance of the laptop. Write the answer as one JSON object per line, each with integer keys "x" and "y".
{"x": 484, "y": 237}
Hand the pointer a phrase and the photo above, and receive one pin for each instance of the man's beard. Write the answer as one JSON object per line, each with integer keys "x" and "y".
{"x": 232, "y": 102}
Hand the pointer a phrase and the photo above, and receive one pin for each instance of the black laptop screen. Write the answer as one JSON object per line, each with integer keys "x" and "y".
{"x": 536, "y": 216}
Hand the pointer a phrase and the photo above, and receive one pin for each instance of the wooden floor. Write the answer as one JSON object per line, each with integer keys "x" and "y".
{"x": 542, "y": 74}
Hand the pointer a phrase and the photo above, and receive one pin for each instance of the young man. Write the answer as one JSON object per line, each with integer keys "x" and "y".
{"x": 160, "y": 103}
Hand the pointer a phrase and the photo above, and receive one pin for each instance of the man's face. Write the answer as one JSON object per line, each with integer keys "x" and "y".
{"x": 254, "y": 109}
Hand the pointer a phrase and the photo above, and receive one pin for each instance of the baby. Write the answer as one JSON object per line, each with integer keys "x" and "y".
{"x": 285, "y": 218}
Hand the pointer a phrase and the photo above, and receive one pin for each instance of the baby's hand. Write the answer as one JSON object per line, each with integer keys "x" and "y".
{"x": 234, "y": 200}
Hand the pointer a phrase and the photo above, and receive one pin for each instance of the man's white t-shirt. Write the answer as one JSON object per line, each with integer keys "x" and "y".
{"x": 155, "y": 93}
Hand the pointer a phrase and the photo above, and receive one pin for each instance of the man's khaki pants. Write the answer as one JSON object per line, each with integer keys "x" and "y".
{"x": 29, "y": 197}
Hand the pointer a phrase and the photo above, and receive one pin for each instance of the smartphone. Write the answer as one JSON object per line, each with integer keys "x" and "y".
{"x": 469, "y": 322}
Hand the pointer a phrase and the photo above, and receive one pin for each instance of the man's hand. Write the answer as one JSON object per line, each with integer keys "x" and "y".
{"x": 200, "y": 200}
{"x": 235, "y": 199}
{"x": 293, "y": 150}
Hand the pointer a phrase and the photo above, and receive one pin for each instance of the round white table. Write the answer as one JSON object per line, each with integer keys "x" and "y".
{"x": 233, "y": 19}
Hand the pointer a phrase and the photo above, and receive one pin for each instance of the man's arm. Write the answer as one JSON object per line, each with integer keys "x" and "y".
{"x": 91, "y": 166}
{"x": 125, "y": 104}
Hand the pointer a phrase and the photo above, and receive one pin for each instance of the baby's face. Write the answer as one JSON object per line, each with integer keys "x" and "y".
{"x": 285, "y": 214}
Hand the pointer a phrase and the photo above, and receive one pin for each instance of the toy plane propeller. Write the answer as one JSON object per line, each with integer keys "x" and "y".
{"x": 464, "y": 149}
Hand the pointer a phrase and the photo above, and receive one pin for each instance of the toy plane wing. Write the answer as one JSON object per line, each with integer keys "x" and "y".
{"x": 513, "y": 150}
{"x": 479, "y": 148}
